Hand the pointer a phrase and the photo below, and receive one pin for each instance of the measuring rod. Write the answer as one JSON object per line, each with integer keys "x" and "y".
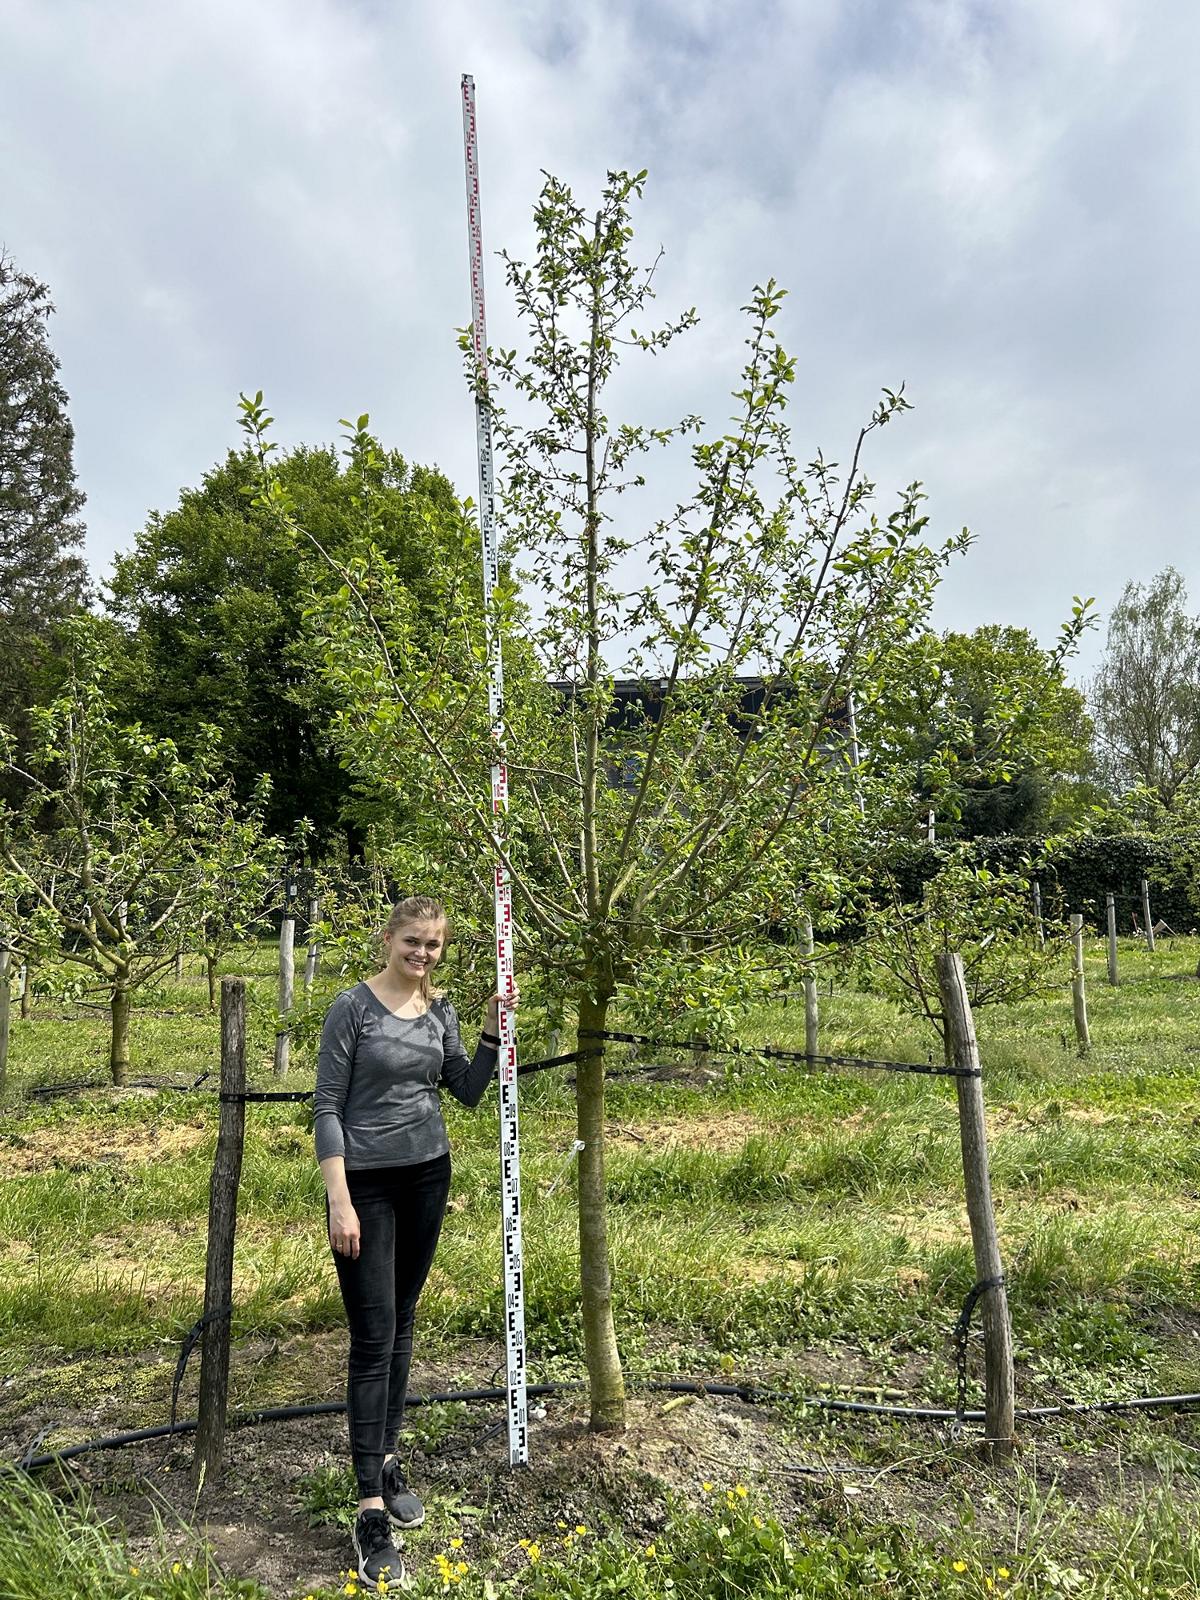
{"x": 510, "y": 1161}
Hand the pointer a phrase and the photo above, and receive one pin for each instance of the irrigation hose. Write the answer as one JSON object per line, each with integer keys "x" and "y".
{"x": 748, "y": 1393}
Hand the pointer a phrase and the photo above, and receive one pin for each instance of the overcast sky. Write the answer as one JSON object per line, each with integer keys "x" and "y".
{"x": 992, "y": 201}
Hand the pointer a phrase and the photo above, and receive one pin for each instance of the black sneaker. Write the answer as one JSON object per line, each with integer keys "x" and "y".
{"x": 399, "y": 1498}
{"x": 378, "y": 1558}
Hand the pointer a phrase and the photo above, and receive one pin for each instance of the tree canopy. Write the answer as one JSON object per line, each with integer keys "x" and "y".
{"x": 1146, "y": 696}
{"x": 214, "y": 598}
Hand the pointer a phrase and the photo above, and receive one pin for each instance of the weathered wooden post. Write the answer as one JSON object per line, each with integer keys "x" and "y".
{"x": 314, "y": 948}
{"x": 1078, "y": 994}
{"x": 1039, "y": 927}
{"x": 1110, "y": 906}
{"x": 208, "y": 1462}
{"x": 287, "y": 984}
{"x": 812, "y": 1042}
{"x": 1149, "y": 920}
{"x": 26, "y": 977}
{"x": 179, "y": 965}
{"x": 1000, "y": 1383}
{"x": 5, "y": 971}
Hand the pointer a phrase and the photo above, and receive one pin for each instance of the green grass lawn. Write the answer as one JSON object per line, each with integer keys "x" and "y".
{"x": 808, "y": 1229}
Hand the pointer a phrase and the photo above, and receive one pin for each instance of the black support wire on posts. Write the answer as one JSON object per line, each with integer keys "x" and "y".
{"x": 770, "y": 1053}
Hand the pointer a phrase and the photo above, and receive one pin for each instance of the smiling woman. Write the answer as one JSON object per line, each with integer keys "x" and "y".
{"x": 381, "y": 1141}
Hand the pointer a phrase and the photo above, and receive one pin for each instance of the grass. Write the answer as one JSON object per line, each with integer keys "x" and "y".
{"x": 757, "y": 1220}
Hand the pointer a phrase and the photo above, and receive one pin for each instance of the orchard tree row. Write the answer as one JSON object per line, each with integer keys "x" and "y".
{"x": 705, "y": 759}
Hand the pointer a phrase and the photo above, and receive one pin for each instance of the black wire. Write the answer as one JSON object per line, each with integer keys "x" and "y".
{"x": 926, "y": 1068}
{"x": 749, "y": 1393}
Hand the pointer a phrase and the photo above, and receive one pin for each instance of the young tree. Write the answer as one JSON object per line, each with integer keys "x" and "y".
{"x": 984, "y": 916}
{"x": 677, "y": 809}
{"x": 118, "y": 842}
{"x": 42, "y": 577}
{"x": 1146, "y": 695}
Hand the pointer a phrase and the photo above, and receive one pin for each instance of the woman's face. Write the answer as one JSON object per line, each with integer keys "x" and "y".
{"x": 415, "y": 948}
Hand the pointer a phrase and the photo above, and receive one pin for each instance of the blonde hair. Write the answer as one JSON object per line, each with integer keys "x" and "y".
{"x": 420, "y": 908}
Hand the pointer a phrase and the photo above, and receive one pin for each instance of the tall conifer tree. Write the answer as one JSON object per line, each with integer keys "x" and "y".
{"x": 42, "y": 575}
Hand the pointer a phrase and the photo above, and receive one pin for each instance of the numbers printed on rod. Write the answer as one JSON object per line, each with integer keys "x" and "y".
{"x": 510, "y": 1187}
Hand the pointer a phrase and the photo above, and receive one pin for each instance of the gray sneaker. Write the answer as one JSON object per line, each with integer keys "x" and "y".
{"x": 399, "y": 1498}
{"x": 378, "y": 1559}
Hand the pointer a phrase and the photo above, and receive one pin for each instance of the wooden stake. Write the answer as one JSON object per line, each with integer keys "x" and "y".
{"x": 811, "y": 1029}
{"x": 993, "y": 1306}
{"x": 208, "y": 1462}
{"x": 314, "y": 948}
{"x": 1110, "y": 906}
{"x": 287, "y": 984}
{"x": 26, "y": 991}
{"x": 5, "y": 970}
{"x": 1078, "y": 994}
{"x": 1038, "y": 924}
{"x": 1149, "y": 920}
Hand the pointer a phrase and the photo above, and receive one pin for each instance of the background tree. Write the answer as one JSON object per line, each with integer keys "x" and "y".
{"x": 116, "y": 844}
{"x": 682, "y": 815}
{"x": 42, "y": 577}
{"x": 213, "y": 597}
{"x": 1146, "y": 696}
{"x": 998, "y": 741}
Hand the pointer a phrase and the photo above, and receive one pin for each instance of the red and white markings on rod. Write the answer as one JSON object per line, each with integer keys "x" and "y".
{"x": 510, "y": 1159}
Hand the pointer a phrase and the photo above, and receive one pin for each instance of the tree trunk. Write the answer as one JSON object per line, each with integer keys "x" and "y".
{"x": 5, "y": 969}
{"x": 605, "y": 1381}
{"x": 118, "y": 1054}
{"x": 26, "y": 991}
{"x": 210, "y": 966}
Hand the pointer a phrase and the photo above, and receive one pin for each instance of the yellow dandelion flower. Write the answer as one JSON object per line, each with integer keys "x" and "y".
{"x": 740, "y": 1490}
{"x": 568, "y": 1539}
{"x": 524, "y": 1543}
{"x": 176, "y": 1568}
{"x": 580, "y": 1529}
{"x": 988, "y": 1585}
{"x": 135, "y": 1570}
{"x": 1003, "y": 1572}
{"x": 758, "y": 1522}
{"x": 561, "y": 1526}
{"x": 460, "y": 1567}
{"x": 381, "y": 1586}
{"x": 650, "y": 1550}
{"x": 707, "y": 1487}
{"x": 960, "y": 1566}
{"x": 534, "y": 1552}
{"x": 456, "y": 1544}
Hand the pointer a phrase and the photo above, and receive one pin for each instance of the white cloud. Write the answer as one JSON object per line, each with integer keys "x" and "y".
{"x": 991, "y": 201}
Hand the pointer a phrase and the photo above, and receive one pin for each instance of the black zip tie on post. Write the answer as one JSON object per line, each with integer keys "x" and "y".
{"x": 190, "y": 1340}
{"x": 962, "y": 1332}
{"x": 925, "y": 1068}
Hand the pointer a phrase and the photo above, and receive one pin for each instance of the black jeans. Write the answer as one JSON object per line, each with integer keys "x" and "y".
{"x": 400, "y": 1211}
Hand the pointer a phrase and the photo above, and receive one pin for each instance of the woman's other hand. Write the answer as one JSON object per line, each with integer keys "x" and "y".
{"x": 345, "y": 1234}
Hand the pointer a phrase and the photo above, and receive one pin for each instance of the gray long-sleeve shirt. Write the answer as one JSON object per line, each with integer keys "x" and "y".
{"x": 376, "y": 1101}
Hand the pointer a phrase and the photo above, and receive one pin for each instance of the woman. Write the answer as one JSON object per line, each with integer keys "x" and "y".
{"x": 381, "y": 1143}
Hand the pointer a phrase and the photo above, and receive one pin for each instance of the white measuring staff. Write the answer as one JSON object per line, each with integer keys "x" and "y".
{"x": 510, "y": 1160}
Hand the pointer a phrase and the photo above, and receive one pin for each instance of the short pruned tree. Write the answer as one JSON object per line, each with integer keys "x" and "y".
{"x": 118, "y": 843}
{"x": 984, "y": 916}
{"x": 675, "y": 756}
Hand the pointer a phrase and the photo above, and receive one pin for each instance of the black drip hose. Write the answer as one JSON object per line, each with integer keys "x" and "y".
{"x": 746, "y": 1392}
